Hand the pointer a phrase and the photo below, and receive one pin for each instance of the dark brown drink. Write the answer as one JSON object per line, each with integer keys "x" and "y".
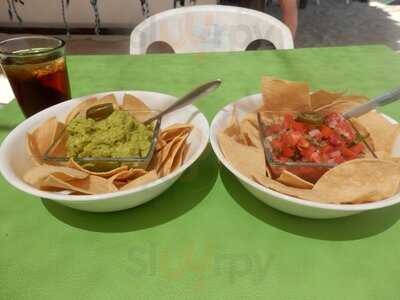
{"x": 38, "y": 75}
{"x": 39, "y": 86}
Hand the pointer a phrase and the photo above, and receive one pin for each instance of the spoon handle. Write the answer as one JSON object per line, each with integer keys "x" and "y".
{"x": 370, "y": 105}
{"x": 189, "y": 98}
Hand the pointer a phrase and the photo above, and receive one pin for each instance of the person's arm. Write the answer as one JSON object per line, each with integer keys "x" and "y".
{"x": 289, "y": 13}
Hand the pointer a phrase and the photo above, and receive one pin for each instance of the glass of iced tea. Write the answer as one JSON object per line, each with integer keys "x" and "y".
{"x": 37, "y": 71}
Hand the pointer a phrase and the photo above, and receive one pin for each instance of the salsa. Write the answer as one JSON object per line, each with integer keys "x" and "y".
{"x": 314, "y": 137}
{"x": 118, "y": 135}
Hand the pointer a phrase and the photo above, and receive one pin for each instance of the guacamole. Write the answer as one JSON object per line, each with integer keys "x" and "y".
{"x": 119, "y": 135}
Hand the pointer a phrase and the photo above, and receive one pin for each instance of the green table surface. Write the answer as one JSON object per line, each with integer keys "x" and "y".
{"x": 206, "y": 237}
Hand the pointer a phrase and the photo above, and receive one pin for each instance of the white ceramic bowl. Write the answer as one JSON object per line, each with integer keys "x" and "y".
{"x": 282, "y": 202}
{"x": 14, "y": 160}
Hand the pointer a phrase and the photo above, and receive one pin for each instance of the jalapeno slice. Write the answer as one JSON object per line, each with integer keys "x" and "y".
{"x": 100, "y": 112}
{"x": 314, "y": 118}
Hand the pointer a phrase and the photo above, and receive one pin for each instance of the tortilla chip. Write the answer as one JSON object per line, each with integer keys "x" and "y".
{"x": 176, "y": 130}
{"x": 247, "y": 160}
{"x": 359, "y": 181}
{"x": 124, "y": 177}
{"x": 60, "y": 147}
{"x": 353, "y": 98}
{"x": 383, "y": 155}
{"x": 252, "y": 119}
{"x": 131, "y": 102}
{"x": 338, "y": 106}
{"x": 395, "y": 159}
{"x": 35, "y": 175}
{"x": 155, "y": 161}
{"x": 322, "y": 97}
{"x": 250, "y": 134}
{"x": 165, "y": 152}
{"x": 160, "y": 144}
{"x": 293, "y": 180}
{"x": 179, "y": 157}
{"x": 283, "y": 95}
{"x": 341, "y": 104}
{"x": 142, "y": 180}
{"x": 233, "y": 128}
{"x": 166, "y": 166}
{"x": 91, "y": 185}
{"x": 46, "y": 134}
{"x": 127, "y": 175}
{"x": 110, "y": 98}
{"x": 161, "y": 156}
{"x": 281, "y": 188}
{"x": 383, "y": 133}
{"x": 73, "y": 164}
{"x": 32, "y": 150}
{"x": 136, "y": 107}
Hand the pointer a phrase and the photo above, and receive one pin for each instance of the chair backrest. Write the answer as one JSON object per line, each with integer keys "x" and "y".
{"x": 209, "y": 28}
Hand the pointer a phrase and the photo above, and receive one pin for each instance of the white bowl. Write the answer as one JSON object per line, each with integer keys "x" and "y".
{"x": 14, "y": 160}
{"x": 282, "y": 202}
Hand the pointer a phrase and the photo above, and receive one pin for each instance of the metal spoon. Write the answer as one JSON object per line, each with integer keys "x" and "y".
{"x": 102, "y": 111}
{"x": 374, "y": 103}
{"x": 189, "y": 98}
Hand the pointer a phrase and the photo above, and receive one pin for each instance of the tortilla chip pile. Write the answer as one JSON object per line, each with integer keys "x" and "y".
{"x": 71, "y": 178}
{"x": 356, "y": 181}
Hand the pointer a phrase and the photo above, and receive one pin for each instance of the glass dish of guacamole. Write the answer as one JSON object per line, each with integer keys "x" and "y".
{"x": 119, "y": 135}
{"x": 103, "y": 144}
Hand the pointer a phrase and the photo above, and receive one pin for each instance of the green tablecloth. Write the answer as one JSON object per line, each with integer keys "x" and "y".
{"x": 206, "y": 237}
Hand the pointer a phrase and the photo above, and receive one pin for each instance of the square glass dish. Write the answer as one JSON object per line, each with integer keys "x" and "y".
{"x": 57, "y": 152}
{"x": 307, "y": 170}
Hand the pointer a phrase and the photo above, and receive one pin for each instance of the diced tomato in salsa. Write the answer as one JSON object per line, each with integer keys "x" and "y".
{"x": 283, "y": 159}
{"x": 347, "y": 153}
{"x": 315, "y": 133}
{"x": 287, "y": 152}
{"x": 287, "y": 120}
{"x": 333, "y": 141}
{"x": 297, "y": 126}
{"x": 326, "y": 131}
{"x": 275, "y": 128}
{"x": 291, "y": 138}
{"x": 327, "y": 148}
{"x": 340, "y": 125}
{"x": 277, "y": 145}
{"x": 303, "y": 143}
{"x": 315, "y": 157}
{"x": 357, "y": 149}
{"x": 306, "y": 153}
{"x": 339, "y": 159}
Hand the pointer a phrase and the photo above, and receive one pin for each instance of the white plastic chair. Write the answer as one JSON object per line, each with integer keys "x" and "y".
{"x": 209, "y": 28}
